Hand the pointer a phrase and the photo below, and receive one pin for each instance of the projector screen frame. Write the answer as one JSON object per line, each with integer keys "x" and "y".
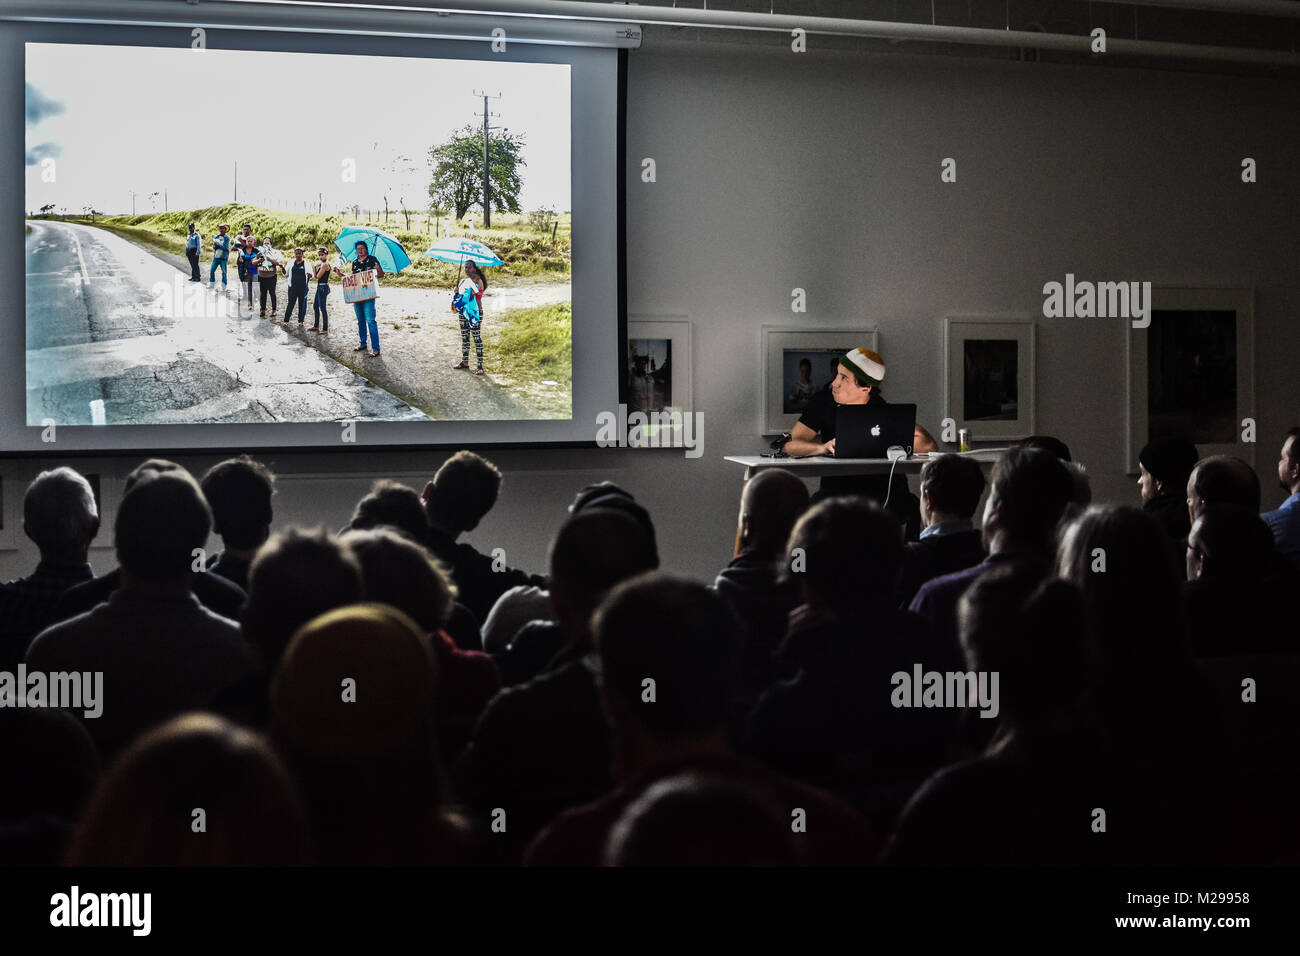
{"x": 602, "y": 390}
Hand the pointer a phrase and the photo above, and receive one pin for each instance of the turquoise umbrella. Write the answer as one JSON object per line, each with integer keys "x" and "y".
{"x": 460, "y": 250}
{"x": 384, "y": 247}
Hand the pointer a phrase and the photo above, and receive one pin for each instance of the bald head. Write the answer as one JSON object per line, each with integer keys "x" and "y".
{"x": 1222, "y": 480}
{"x": 772, "y": 503}
{"x": 60, "y": 516}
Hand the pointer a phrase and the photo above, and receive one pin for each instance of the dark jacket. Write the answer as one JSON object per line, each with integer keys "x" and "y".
{"x": 539, "y": 748}
{"x": 839, "y": 837}
{"x": 214, "y": 592}
{"x": 478, "y": 583}
{"x": 749, "y": 586}
{"x": 1170, "y": 512}
{"x": 833, "y": 725}
{"x": 935, "y": 556}
{"x": 1230, "y": 619}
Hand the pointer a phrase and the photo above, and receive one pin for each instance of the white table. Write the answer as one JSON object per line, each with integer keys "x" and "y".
{"x": 819, "y": 465}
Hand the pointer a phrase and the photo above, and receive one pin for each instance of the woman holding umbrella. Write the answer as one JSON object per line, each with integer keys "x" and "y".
{"x": 471, "y": 314}
{"x": 467, "y": 297}
{"x": 370, "y": 249}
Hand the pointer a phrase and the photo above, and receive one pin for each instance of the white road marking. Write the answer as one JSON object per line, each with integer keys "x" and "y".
{"x": 77, "y": 242}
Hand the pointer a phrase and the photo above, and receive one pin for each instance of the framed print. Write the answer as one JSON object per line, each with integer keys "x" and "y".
{"x": 1191, "y": 372}
{"x": 989, "y": 382}
{"x": 797, "y": 363}
{"x": 657, "y": 368}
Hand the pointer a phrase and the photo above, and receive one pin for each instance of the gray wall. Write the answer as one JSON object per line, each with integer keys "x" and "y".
{"x": 778, "y": 170}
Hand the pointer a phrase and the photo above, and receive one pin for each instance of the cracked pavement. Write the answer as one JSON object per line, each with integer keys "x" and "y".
{"x": 97, "y": 332}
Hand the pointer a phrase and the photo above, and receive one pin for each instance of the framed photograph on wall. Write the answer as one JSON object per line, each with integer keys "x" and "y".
{"x": 1191, "y": 373}
{"x": 797, "y": 364}
{"x": 989, "y": 383}
{"x": 657, "y": 368}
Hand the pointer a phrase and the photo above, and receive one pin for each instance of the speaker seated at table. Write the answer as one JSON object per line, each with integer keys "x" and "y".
{"x": 856, "y": 383}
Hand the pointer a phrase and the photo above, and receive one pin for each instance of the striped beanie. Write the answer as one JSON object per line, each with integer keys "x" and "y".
{"x": 867, "y": 365}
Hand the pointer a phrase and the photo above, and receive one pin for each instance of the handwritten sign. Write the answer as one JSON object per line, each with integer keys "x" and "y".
{"x": 360, "y": 286}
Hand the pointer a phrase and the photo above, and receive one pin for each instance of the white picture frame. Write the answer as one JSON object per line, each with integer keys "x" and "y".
{"x": 961, "y": 355}
{"x": 783, "y": 344}
{"x": 675, "y": 332}
{"x": 1140, "y": 341}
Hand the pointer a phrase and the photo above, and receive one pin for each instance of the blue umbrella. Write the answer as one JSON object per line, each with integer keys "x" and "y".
{"x": 460, "y": 250}
{"x": 387, "y": 249}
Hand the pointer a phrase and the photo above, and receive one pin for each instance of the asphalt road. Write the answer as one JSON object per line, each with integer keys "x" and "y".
{"x": 116, "y": 333}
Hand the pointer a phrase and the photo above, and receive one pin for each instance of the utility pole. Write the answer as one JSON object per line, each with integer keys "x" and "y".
{"x": 164, "y": 199}
{"x": 487, "y": 182}
{"x": 236, "y": 196}
{"x": 132, "y": 202}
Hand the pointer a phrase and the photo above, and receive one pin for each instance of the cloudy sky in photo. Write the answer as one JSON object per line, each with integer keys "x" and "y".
{"x": 117, "y": 119}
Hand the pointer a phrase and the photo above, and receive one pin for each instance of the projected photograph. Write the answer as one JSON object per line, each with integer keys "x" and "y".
{"x": 218, "y": 236}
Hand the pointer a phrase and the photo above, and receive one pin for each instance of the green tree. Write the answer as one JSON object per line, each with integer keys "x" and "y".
{"x": 458, "y": 171}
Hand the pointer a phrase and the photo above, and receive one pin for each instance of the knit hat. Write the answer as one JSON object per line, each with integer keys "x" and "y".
{"x": 866, "y": 365}
{"x": 1170, "y": 461}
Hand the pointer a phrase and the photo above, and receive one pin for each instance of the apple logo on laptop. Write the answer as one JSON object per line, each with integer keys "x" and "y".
{"x": 875, "y": 430}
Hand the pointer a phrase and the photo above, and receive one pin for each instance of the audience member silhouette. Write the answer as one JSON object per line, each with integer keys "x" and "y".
{"x": 752, "y": 585}
{"x": 61, "y": 518}
{"x": 353, "y": 712}
{"x": 1221, "y": 480}
{"x": 195, "y": 791}
{"x": 1284, "y": 521}
{"x": 1164, "y": 466}
{"x": 1162, "y": 727}
{"x": 461, "y": 493}
{"x": 1236, "y": 599}
{"x": 535, "y": 648}
{"x": 702, "y": 820}
{"x": 951, "y": 488}
{"x": 1029, "y": 494}
{"x": 159, "y": 650}
{"x": 833, "y": 724}
{"x": 238, "y": 491}
{"x": 214, "y": 592}
{"x": 543, "y": 746}
{"x": 398, "y": 572}
{"x": 669, "y": 653}
{"x": 525, "y": 603}
{"x": 296, "y": 576}
{"x": 1019, "y": 802}
{"x": 51, "y": 767}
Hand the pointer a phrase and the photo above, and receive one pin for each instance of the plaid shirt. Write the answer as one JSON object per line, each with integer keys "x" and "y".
{"x": 27, "y": 606}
